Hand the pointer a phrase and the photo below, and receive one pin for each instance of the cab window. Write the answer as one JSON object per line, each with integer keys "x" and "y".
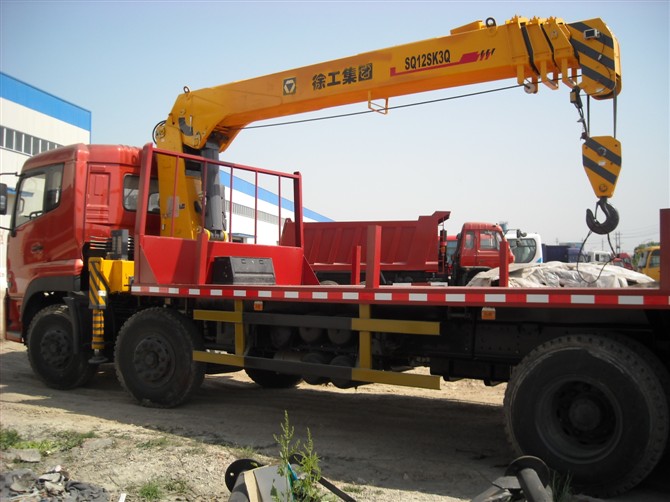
{"x": 131, "y": 184}
{"x": 642, "y": 260}
{"x": 489, "y": 239}
{"x": 524, "y": 250}
{"x": 37, "y": 194}
{"x": 469, "y": 239}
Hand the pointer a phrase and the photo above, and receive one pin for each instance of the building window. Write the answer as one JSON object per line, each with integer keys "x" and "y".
{"x": 18, "y": 141}
{"x": 23, "y": 143}
{"x": 9, "y": 138}
{"x": 27, "y": 144}
{"x": 249, "y": 212}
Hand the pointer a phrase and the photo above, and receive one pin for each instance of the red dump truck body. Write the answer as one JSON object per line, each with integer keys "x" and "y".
{"x": 410, "y": 250}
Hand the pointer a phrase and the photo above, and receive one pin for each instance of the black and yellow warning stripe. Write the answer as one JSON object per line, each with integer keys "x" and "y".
{"x": 601, "y": 157}
{"x": 597, "y": 53}
{"x": 98, "y": 286}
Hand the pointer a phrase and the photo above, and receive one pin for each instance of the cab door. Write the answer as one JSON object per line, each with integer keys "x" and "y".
{"x": 488, "y": 248}
{"x": 33, "y": 245}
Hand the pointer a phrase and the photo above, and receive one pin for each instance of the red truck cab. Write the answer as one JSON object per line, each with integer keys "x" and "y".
{"x": 478, "y": 249}
{"x": 480, "y": 245}
{"x": 53, "y": 234}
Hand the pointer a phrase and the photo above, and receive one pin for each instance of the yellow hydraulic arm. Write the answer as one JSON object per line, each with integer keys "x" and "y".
{"x": 582, "y": 55}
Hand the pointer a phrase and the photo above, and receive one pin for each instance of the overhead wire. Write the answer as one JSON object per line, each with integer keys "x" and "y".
{"x": 641, "y": 232}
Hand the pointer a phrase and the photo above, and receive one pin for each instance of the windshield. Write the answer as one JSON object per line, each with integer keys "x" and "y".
{"x": 524, "y": 250}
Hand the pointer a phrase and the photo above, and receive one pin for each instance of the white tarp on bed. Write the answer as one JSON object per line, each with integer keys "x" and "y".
{"x": 556, "y": 274}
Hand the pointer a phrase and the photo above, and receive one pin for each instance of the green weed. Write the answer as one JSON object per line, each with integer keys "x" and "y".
{"x": 70, "y": 439}
{"x": 62, "y": 441}
{"x": 303, "y": 484}
{"x": 561, "y": 487}
{"x": 177, "y": 486}
{"x": 8, "y": 438}
{"x": 154, "y": 443}
{"x": 156, "y": 489}
{"x": 353, "y": 489}
{"x": 151, "y": 490}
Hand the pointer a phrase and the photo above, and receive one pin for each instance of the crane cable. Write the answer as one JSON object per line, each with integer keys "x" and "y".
{"x": 397, "y": 107}
{"x": 579, "y": 255}
{"x": 353, "y": 114}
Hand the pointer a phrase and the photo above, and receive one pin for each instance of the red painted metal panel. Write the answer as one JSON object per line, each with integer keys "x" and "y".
{"x": 406, "y": 245}
{"x": 374, "y": 235}
{"x": 356, "y": 265}
{"x": 504, "y": 264}
{"x": 169, "y": 260}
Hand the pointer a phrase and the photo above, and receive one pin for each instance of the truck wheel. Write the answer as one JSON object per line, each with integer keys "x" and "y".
{"x": 273, "y": 380}
{"x": 154, "y": 357}
{"x": 659, "y": 369}
{"x": 591, "y": 408}
{"x": 51, "y": 350}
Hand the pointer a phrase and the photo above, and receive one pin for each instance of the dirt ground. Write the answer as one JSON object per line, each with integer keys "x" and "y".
{"x": 377, "y": 442}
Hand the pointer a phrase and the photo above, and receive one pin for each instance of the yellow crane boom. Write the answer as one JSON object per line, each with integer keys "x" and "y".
{"x": 582, "y": 55}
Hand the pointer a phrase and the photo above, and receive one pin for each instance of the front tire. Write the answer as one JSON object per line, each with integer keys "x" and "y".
{"x": 51, "y": 352}
{"x": 154, "y": 358}
{"x": 591, "y": 408}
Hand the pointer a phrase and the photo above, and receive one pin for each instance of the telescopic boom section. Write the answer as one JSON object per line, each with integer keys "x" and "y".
{"x": 583, "y": 55}
{"x": 536, "y": 50}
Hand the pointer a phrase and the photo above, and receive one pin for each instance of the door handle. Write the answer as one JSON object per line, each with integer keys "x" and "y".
{"x": 37, "y": 248}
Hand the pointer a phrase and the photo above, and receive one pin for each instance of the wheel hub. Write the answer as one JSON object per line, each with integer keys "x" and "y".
{"x": 152, "y": 360}
{"x": 584, "y": 414}
{"x": 55, "y": 348}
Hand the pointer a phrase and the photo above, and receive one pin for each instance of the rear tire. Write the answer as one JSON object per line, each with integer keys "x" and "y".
{"x": 51, "y": 354}
{"x": 154, "y": 358}
{"x": 591, "y": 408}
{"x": 273, "y": 380}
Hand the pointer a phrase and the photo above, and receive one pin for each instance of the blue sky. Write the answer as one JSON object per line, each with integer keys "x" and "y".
{"x": 505, "y": 156}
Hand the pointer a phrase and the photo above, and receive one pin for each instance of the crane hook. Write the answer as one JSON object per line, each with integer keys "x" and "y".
{"x": 611, "y": 218}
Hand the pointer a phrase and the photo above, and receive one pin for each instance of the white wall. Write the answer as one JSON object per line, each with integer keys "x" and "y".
{"x": 24, "y": 119}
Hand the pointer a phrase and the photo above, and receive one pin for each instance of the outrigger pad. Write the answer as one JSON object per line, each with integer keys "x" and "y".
{"x": 526, "y": 479}
{"x": 237, "y": 468}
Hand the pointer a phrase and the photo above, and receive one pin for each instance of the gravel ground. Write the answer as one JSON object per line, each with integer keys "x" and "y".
{"x": 378, "y": 443}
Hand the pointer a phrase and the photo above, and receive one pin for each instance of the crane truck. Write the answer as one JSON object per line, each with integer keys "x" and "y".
{"x": 123, "y": 255}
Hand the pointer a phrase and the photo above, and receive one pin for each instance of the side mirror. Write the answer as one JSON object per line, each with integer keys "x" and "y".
{"x": 3, "y": 198}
